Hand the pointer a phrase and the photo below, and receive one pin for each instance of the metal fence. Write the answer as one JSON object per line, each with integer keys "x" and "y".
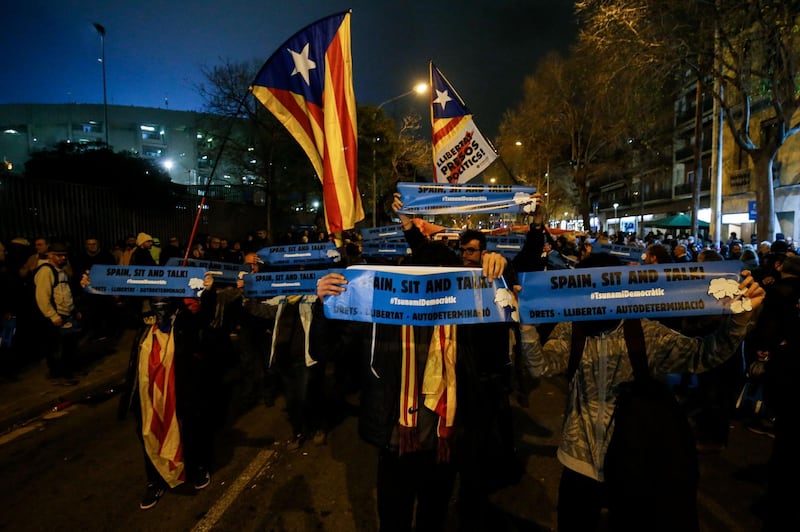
{"x": 70, "y": 212}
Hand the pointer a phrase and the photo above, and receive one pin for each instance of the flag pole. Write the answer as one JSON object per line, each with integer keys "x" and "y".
{"x": 510, "y": 173}
{"x": 207, "y": 186}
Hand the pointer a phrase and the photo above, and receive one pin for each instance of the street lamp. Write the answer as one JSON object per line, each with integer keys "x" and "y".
{"x": 615, "y": 214}
{"x": 101, "y": 31}
{"x": 419, "y": 88}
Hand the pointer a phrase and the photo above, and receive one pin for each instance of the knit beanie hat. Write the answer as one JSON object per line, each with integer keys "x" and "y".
{"x": 141, "y": 238}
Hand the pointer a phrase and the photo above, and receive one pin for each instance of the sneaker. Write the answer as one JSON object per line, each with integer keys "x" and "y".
{"x": 203, "y": 479}
{"x": 152, "y": 493}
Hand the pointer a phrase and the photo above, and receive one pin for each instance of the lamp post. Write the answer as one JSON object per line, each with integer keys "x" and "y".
{"x": 615, "y": 215}
{"x": 419, "y": 88}
{"x": 101, "y": 31}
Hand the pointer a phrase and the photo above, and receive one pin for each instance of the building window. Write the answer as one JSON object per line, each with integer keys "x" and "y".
{"x": 91, "y": 126}
{"x": 152, "y": 152}
{"x": 152, "y": 132}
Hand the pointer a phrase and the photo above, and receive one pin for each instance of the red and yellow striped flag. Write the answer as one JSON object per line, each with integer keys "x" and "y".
{"x": 160, "y": 429}
{"x": 308, "y": 85}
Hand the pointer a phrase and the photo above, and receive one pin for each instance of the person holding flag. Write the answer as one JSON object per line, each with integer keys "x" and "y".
{"x": 171, "y": 387}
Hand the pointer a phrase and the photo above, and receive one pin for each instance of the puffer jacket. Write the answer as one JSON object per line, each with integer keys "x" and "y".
{"x": 588, "y": 426}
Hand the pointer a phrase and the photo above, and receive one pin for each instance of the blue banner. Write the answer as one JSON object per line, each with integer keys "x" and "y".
{"x": 150, "y": 281}
{"x": 625, "y": 253}
{"x": 387, "y": 232}
{"x": 429, "y": 198}
{"x": 507, "y": 246}
{"x": 289, "y": 283}
{"x": 322, "y": 253}
{"x": 385, "y": 249}
{"x": 421, "y": 296}
{"x": 647, "y": 291}
{"x": 226, "y": 272}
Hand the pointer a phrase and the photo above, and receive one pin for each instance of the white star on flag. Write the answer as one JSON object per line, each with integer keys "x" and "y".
{"x": 442, "y": 97}
{"x": 302, "y": 64}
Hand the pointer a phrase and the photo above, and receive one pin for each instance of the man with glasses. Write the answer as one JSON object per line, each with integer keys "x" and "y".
{"x": 472, "y": 245}
{"x": 414, "y": 481}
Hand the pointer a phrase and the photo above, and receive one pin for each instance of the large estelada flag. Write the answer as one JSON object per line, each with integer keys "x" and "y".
{"x": 460, "y": 151}
{"x": 308, "y": 85}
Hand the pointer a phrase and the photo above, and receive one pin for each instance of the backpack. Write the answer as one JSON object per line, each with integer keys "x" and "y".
{"x": 650, "y": 467}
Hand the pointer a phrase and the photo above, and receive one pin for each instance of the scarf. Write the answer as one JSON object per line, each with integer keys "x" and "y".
{"x": 438, "y": 388}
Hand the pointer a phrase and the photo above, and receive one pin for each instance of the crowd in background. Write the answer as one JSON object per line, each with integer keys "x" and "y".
{"x": 710, "y": 402}
{"x": 103, "y": 317}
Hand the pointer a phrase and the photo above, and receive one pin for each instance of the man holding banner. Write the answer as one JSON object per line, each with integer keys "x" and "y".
{"x": 434, "y": 399}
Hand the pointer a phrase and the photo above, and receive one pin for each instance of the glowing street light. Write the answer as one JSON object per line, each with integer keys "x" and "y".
{"x": 615, "y": 211}
{"x": 419, "y": 88}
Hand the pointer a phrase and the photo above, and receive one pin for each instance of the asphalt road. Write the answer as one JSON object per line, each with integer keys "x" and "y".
{"x": 81, "y": 469}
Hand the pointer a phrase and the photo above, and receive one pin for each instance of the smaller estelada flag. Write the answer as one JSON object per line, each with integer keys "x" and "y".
{"x": 460, "y": 151}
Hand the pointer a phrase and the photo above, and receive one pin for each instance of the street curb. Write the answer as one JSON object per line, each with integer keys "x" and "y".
{"x": 107, "y": 372}
{"x": 76, "y": 395}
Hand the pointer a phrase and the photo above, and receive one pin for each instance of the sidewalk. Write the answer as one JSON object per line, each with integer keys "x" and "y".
{"x": 31, "y": 394}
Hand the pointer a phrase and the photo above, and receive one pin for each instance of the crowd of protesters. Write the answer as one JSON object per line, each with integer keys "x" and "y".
{"x": 274, "y": 357}
{"x": 101, "y": 317}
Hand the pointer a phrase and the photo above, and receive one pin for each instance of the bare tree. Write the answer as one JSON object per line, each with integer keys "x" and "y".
{"x": 395, "y": 152}
{"x": 257, "y": 147}
{"x": 579, "y": 113}
{"x": 749, "y": 48}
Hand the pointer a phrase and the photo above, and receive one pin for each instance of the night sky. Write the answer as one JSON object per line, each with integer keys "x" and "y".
{"x": 155, "y": 50}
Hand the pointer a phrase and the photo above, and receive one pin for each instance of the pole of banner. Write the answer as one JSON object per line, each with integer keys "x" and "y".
{"x": 207, "y": 186}
{"x": 510, "y": 173}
